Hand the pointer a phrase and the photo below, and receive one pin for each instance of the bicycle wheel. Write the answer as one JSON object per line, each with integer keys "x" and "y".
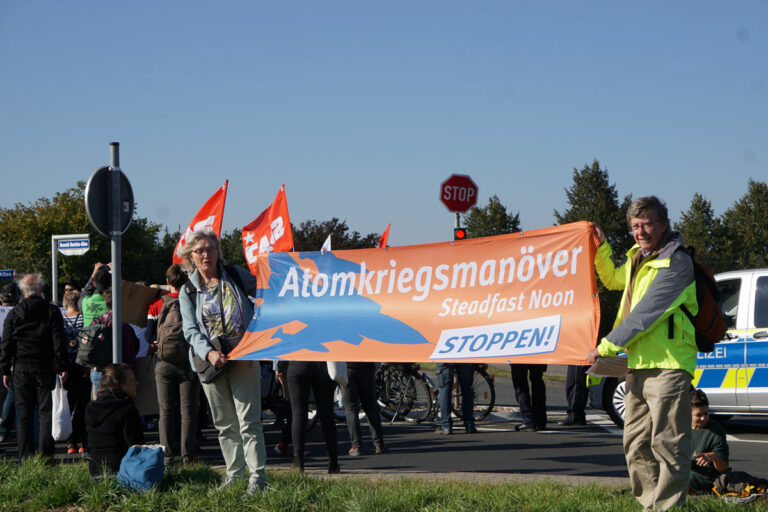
{"x": 420, "y": 401}
{"x": 400, "y": 391}
{"x": 484, "y": 394}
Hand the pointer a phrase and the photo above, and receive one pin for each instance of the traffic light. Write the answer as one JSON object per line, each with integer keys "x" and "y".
{"x": 459, "y": 233}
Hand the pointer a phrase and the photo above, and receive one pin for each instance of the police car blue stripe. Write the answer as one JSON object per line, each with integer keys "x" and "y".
{"x": 712, "y": 378}
{"x": 759, "y": 378}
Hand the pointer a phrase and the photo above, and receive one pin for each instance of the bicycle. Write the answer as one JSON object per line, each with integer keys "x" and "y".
{"x": 483, "y": 390}
{"x": 405, "y": 393}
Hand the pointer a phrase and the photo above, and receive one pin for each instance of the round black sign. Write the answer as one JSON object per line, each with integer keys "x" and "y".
{"x": 99, "y": 204}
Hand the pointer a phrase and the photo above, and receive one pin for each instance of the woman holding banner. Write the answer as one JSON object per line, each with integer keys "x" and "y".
{"x": 216, "y": 310}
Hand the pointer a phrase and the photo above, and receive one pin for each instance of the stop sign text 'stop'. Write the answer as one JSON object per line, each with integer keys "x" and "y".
{"x": 458, "y": 193}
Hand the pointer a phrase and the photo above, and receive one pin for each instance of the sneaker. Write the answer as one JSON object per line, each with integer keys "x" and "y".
{"x": 255, "y": 486}
{"x": 381, "y": 449}
{"x": 470, "y": 429}
{"x": 525, "y": 427}
{"x": 228, "y": 482}
{"x": 72, "y": 449}
{"x": 355, "y": 451}
{"x": 444, "y": 430}
{"x": 82, "y": 450}
{"x": 281, "y": 449}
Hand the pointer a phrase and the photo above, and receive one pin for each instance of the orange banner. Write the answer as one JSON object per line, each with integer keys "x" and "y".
{"x": 269, "y": 232}
{"x": 527, "y": 297}
{"x": 210, "y": 216}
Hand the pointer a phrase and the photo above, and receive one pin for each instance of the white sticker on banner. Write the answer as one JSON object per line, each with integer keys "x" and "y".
{"x": 526, "y": 337}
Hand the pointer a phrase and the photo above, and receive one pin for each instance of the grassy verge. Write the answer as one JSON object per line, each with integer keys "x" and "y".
{"x": 37, "y": 486}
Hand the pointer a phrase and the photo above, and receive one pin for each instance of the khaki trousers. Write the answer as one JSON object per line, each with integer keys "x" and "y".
{"x": 235, "y": 400}
{"x": 657, "y": 436}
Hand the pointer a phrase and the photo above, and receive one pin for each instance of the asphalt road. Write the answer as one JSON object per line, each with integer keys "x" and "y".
{"x": 577, "y": 454}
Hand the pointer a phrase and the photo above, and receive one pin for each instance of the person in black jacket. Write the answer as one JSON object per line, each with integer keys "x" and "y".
{"x": 35, "y": 346}
{"x": 112, "y": 421}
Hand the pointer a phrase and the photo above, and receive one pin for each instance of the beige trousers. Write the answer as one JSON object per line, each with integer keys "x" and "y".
{"x": 657, "y": 436}
{"x": 235, "y": 400}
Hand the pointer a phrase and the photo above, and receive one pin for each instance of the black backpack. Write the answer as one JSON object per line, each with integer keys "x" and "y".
{"x": 172, "y": 347}
{"x": 709, "y": 322}
{"x": 94, "y": 345}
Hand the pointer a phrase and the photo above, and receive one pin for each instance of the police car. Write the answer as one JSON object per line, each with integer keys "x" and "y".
{"x": 735, "y": 375}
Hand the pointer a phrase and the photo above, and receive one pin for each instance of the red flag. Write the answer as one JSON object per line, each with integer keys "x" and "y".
{"x": 384, "y": 237}
{"x": 208, "y": 217}
{"x": 269, "y": 232}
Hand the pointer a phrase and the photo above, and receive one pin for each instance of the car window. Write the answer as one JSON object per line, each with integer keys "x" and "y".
{"x": 761, "y": 302}
{"x": 729, "y": 299}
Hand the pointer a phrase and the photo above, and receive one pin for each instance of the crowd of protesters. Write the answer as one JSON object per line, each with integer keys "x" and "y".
{"x": 206, "y": 313}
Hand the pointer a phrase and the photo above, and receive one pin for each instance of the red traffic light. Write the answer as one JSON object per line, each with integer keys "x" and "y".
{"x": 459, "y": 233}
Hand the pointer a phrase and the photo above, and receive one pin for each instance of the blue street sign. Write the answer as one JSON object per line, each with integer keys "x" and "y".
{"x": 74, "y": 247}
{"x": 6, "y": 273}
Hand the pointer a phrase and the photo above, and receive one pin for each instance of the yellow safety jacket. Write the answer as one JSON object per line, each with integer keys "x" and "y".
{"x": 655, "y": 334}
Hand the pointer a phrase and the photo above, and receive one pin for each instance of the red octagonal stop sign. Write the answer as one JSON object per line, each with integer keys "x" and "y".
{"x": 458, "y": 193}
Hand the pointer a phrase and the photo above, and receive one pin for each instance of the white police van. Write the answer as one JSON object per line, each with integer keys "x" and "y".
{"x": 735, "y": 375}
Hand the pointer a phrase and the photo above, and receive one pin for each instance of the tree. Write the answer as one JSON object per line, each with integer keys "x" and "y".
{"x": 26, "y": 230}
{"x": 591, "y": 197}
{"x": 705, "y": 232}
{"x": 490, "y": 220}
{"x": 232, "y": 247}
{"x": 746, "y": 226}
{"x": 310, "y": 235}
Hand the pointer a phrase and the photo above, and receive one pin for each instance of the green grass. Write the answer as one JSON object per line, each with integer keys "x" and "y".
{"x": 62, "y": 487}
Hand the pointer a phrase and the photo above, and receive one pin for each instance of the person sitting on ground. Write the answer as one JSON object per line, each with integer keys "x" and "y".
{"x": 112, "y": 421}
{"x": 710, "y": 449}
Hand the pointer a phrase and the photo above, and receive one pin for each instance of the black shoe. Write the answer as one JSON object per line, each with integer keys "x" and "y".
{"x": 298, "y": 464}
{"x": 470, "y": 429}
{"x": 444, "y": 430}
{"x": 568, "y": 422}
{"x": 333, "y": 468}
{"x": 525, "y": 427}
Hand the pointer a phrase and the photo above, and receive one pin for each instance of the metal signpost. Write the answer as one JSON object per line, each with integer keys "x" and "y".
{"x": 109, "y": 205}
{"x": 458, "y": 193}
{"x": 69, "y": 245}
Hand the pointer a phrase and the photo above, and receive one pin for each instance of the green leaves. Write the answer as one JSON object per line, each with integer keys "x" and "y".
{"x": 490, "y": 220}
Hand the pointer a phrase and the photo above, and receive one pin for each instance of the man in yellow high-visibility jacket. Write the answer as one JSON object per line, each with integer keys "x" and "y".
{"x": 660, "y": 345}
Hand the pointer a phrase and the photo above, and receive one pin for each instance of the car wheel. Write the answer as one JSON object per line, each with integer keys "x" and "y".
{"x": 614, "y": 401}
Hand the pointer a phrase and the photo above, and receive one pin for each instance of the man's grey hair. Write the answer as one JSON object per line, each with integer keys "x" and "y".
{"x": 31, "y": 284}
{"x": 641, "y": 207}
{"x": 189, "y": 244}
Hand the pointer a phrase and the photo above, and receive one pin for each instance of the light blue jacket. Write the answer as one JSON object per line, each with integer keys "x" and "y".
{"x": 191, "y": 314}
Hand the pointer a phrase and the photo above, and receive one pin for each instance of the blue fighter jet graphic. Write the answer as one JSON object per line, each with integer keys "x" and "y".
{"x": 348, "y": 317}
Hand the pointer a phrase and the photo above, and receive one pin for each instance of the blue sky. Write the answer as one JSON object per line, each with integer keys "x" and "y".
{"x": 362, "y": 109}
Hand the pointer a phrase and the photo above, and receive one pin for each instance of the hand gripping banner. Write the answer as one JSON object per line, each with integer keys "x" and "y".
{"x": 527, "y": 297}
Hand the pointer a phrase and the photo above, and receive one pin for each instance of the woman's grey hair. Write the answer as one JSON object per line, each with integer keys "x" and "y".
{"x": 31, "y": 284}
{"x": 194, "y": 237}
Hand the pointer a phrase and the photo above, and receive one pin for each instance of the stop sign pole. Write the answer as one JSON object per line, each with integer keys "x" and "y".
{"x": 458, "y": 193}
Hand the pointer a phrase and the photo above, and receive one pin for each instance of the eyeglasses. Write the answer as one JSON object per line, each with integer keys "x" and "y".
{"x": 203, "y": 250}
{"x": 644, "y": 226}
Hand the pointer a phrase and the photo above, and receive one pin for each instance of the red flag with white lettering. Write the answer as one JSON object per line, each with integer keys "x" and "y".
{"x": 269, "y": 232}
{"x": 208, "y": 217}
{"x": 384, "y": 237}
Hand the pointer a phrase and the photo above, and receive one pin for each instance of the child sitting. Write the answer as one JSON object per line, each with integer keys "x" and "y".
{"x": 112, "y": 421}
{"x": 710, "y": 449}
